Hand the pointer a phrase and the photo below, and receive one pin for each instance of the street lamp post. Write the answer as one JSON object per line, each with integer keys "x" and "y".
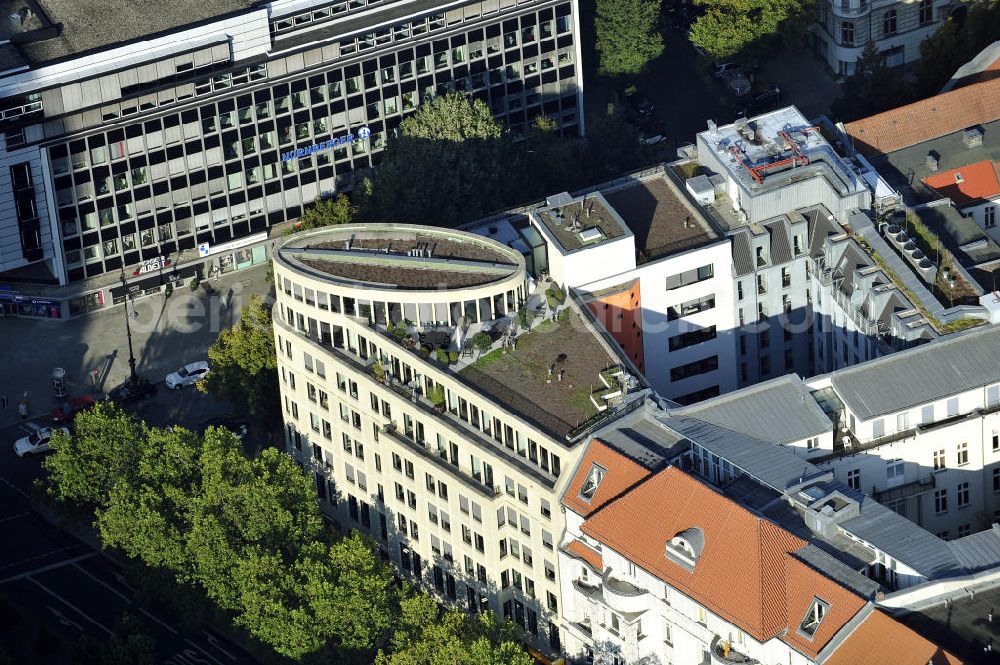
{"x": 128, "y": 333}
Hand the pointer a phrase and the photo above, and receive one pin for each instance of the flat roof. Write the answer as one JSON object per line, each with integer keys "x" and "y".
{"x": 961, "y": 626}
{"x": 660, "y": 218}
{"x": 519, "y": 379}
{"x": 80, "y": 26}
{"x": 580, "y": 222}
{"x": 759, "y": 152}
{"x": 401, "y": 256}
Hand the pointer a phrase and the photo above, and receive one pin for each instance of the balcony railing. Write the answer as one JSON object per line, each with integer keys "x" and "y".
{"x": 855, "y": 446}
{"x": 723, "y": 653}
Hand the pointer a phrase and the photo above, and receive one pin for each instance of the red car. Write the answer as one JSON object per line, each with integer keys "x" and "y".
{"x": 66, "y": 412}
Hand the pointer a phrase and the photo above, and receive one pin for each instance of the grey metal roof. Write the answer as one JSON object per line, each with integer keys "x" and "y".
{"x": 770, "y": 464}
{"x": 929, "y": 372}
{"x": 642, "y": 438}
{"x": 780, "y": 410}
{"x": 820, "y": 228}
{"x": 900, "y": 538}
{"x": 837, "y": 570}
{"x": 781, "y": 247}
{"x": 742, "y": 254}
{"x": 978, "y": 551}
{"x": 780, "y": 468}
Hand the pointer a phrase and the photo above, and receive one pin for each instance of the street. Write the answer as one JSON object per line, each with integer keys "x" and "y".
{"x": 55, "y": 583}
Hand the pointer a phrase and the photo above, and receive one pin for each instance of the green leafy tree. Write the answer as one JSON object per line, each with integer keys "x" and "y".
{"x": 552, "y": 160}
{"x": 130, "y": 644}
{"x": 955, "y": 43}
{"x": 628, "y": 37}
{"x": 427, "y": 635}
{"x": 84, "y": 468}
{"x": 871, "y": 89}
{"x": 613, "y": 145}
{"x": 730, "y": 27}
{"x": 244, "y": 366}
{"x": 327, "y": 212}
{"x": 457, "y": 140}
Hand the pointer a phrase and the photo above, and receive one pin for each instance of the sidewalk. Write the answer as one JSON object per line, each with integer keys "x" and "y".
{"x": 166, "y": 333}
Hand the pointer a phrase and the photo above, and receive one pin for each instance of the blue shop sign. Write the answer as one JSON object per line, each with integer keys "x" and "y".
{"x": 18, "y": 299}
{"x": 332, "y": 144}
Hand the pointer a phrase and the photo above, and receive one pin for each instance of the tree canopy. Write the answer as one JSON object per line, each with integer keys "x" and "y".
{"x": 956, "y": 42}
{"x": 628, "y": 35}
{"x": 248, "y": 532}
{"x": 451, "y": 162}
{"x": 244, "y": 367}
{"x": 729, "y": 27}
{"x": 327, "y": 212}
{"x": 871, "y": 89}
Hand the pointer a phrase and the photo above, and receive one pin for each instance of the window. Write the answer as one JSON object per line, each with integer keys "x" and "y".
{"x": 690, "y": 277}
{"x": 854, "y": 479}
{"x": 591, "y": 483}
{"x": 963, "y": 495}
{"x": 847, "y": 33}
{"x": 926, "y": 11}
{"x": 996, "y": 480}
{"x": 996, "y": 440}
{"x": 690, "y": 307}
{"x": 690, "y": 338}
{"x": 814, "y": 617}
{"x": 941, "y": 501}
{"x": 952, "y": 407}
{"x": 990, "y": 211}
{"x": 889, "y": 23}
{"x": 703, "y": 366}
{"x": 963, "y": 453}
{"x": 939, "y": 462}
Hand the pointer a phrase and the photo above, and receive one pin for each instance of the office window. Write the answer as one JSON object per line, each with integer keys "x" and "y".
{"x": 692, "y": 276}
{"x": 963, "y": 453}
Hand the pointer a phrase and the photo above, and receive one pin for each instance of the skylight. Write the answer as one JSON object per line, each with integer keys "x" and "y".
{"x": 814, "y": 617}
{"x": 593, "y": 479}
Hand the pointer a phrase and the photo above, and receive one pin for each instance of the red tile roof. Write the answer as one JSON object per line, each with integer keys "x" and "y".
{"x": 802, "y": 585}
{"x": 968, "y": 184}
{"x": 621, "y": 473}
{"x": 581, "y": 550}
{"x": 741, "y": 573}
{"x": 881, "y": 640}
{"x": 927, "y": 119}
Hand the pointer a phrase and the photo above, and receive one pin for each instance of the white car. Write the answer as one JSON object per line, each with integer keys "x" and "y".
{"x": 38, "y": 442}
{"x": 187, "y": 376}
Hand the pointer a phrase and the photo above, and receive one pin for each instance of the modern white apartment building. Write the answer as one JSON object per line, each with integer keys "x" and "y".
{"x": 845, "y": 27}
{"x": 456, "y": 469}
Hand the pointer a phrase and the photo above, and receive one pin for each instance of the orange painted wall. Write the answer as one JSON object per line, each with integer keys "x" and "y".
{"x": 620, "y": 315}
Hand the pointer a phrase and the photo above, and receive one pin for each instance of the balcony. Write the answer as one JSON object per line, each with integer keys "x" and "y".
{"x": 623, "y": 596}
{"x": 853, "y": 446}
{"x": 723, "y": 653}
{"x": 906, "y": 490}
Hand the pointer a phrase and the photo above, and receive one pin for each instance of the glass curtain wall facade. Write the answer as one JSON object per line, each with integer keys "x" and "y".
{"x": 214, "y": 168}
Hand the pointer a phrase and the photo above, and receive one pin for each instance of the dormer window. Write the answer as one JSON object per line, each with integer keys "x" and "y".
{"x": 958, "y": 177}
{"x": 814, "y": 617}
{"x": 685, "y": 548}
{"x": 594, "y": 478}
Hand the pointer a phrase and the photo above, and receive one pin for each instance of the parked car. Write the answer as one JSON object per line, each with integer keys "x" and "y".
{"x": 237, "y": 427}
{"x": 188, "y": 375}
{"x": 638, "y": 102}
{"x": 766, "y": 100}
{"x": 720, "y": 68}
{"x": 737, "y": 82}
{"x": 37, "y": 442}
{"x": 66, "y": 412}
{"x": 132, "y": 392}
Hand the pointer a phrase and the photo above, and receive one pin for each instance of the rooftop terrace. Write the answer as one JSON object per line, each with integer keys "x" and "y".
{"x": 402, "y": 256}
{"x": 520, "y": 379}
{"x": 660, "y": 218}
